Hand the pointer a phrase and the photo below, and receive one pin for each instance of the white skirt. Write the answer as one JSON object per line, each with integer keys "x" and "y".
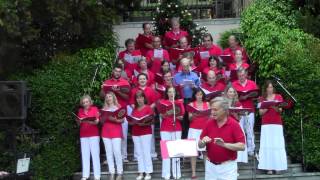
{"x": 272, "y": 152}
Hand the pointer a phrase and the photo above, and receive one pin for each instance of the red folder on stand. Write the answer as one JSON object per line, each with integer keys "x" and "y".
{"x": 178, "y": 148}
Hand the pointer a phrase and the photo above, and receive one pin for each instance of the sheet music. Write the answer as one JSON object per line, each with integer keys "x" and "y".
{"x": 128, "y": 58}
{"x": 182, "y": 148}
{"x": 204, "y": 54}
{"x": 187, "y": 82}
{"x": 158, "y": 53}
{"x": 23, "y": 165}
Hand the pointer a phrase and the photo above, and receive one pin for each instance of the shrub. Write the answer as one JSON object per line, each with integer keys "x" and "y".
{"x": 56, "y": 90}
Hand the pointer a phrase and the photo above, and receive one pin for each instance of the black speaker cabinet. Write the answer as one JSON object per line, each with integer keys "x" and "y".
{"x": 13, "y": 100}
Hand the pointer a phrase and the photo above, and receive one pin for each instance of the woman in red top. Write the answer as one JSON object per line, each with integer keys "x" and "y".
{"x": 272, "y": 152}
{"x": 232, "y": 96}
{"x": 89, "y": 138}
{"x": 111, "y": 135}
{"x": 142, "y": 135}
{"x": 170, "y": 129}
{"x": 215, "y": 65}
{"x": 198, "y": 122}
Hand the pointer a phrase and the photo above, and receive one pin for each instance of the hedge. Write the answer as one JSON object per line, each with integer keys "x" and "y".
{"x": 56, "y": 90}
{"x": 274, "y": 40}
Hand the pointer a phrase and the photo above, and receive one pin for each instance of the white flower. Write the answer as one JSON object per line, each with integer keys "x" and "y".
{"x": 193, "y": 36}
{"x": 169, "y": 5}
{"x": 177, "y": 6}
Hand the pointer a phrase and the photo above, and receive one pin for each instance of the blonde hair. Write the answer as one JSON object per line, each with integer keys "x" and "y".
{"x": 232, "y": 101}
{"x": 86, "y": 96}
{"x": 114, "y": 98}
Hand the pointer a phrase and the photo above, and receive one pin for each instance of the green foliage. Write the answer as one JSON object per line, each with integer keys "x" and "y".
{"x": 223, "y": 41}
{"x": 174, "y": 8}
{"x": 35, "y": 31}
{"x": 56, "y": 90}
{"x": 273, "y": 40}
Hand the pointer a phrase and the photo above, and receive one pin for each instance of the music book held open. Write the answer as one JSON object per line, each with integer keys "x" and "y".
{"x": 268, "y": 104}
{"x": 163, "y": 108}
{"x": 226, "y": 58}
{"x": 175, "y": 52}
{"x": 120, "y": 113}
{"x": 250, "y": 93}
{"x": 239, "y": 109}
{"x": 210, "y": 94}
{"x": 144, "y": 119}
{"x": 123, "y": 87}
{"x": 203, "y": 112}
{"x": 86, "y": 119}
{"x": 204, "y": 54}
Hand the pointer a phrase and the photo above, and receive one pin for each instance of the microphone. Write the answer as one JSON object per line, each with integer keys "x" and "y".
{"x": 276, "y": 77}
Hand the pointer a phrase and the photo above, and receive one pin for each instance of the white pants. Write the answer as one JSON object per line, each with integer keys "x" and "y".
{"x": 242, "y": 156}
{"x": 124, "y": 141}
{"x": 248, "y": 125}
{"x": 142, "y": 146}
{"x": 113, "y": 151}
{"x": 90, "y": 145}
{"x": 153, "y": 144}
{"x": 225, "y": 171}
{"x": 166, "y": 169}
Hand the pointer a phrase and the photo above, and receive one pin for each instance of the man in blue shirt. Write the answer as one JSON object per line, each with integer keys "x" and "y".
{"x": 187, "y": 81}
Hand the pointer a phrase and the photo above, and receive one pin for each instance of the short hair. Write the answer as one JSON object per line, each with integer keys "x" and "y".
{"x": 117, "y": 65}
{"x": 208, "y": 35}
{"x": 223, "y": 103}
{"x": 139, "y": 93}
{"x": 142, "y": 59}
{"x": 144, "y": 25}
{"x": 142, "y": 74}
{"x": 183, "y": 60}
{"x": 175, "y": 19}
{"x": 86, "y": 96}
{"x": 129, "y": 41}
{"x": 242, "y": 70}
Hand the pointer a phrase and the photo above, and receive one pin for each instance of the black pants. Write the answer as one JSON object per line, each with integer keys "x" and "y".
{"x": 185, "y": 121}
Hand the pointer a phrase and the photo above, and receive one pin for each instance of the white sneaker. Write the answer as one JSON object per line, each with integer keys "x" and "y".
{"x": 83, "y": 178}
{"x": 140, "y": 177}
{"x": 147, "y": 177}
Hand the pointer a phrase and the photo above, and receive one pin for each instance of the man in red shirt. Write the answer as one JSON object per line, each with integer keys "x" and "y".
{"x": 157, "y": 55}
{"x": 245, "y": 85}
{"x": 234, "y": 45}
{"x": 212, "y": 85}
{"x": 172, "y": 37}
{"x": 130, "y": 56}
{"x": 122, "y": 95}
{"x": 205, "y": 51}
{"x": 144, "y": 40}
{"x": 222, "y": 138}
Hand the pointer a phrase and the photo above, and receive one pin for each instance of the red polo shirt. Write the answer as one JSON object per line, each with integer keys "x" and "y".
{"x": 167, "y": 123}
{"x": 86, "y": 129}
{"x": 141, "y": 40}
{"x": 199, "y": 121}
{"x": 171, "y": 38}
{"x": 272, "y": 116}
{"x": 151, "y": 95}
{"x": 156, "y": 63}
{"x": 214, "y": 50}
{"x": 233, "y": 66}
{"x": 141, "y": 130}
{"x": 127, "y": 65}
{"x": 229, "y": 51}
{"x": 118, "y": 82}
{"x": 230, "y": 132}
{"x": 250, "y": 85}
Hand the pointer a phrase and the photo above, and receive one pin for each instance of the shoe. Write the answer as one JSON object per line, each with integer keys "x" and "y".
{"x": 194, "y": 177}
{"x": 140, "y": 177}
{"x": 278, "y": 172}
{"x": 111, "y": 177}
{"x": 250, "y": 153}
{"x": 125, "y": 160}
{"x": 147, "y": 177}
{"x": 135, "y": 160}
{"x": 96, "y": 178}
{"x": 119, "y": 177}
{"x": 83, "y": 178}
{"x": 155, "y": 159}
{"x": 269, "y": 172}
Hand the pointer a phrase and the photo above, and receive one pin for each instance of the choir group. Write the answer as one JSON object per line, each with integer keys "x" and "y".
{"x": 202, "y": 93}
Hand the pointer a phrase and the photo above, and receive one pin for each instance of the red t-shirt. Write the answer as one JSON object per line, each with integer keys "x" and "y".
{"x": 157, "y": 59}
{"x": 126, "y": 56}
{"x": 250, "y": 85}
{"x": 111, "y": 129}
{"x": 171, "y": 38}
{"x": 86, "y": 129}
{"x": 151, "y": 95}
{"x": 141, "y": 130}
{"x": 201, "y": 60}
{"x": 118, "y": 82}
{"x": 272, "y": 116}
{"x": 230, "y": 132}
{"x": 233, "y": 66}
{"x": 199, "y": 122}
{"x": 229, "y": 51}
{"x": 167, "y": 123}
{"x": 140, "y": 43}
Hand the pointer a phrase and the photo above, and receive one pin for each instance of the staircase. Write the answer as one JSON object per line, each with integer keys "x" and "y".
{"x": 246, "y": 171}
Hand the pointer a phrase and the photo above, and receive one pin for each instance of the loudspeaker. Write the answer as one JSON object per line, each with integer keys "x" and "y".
{"x": 13, "y": 100}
